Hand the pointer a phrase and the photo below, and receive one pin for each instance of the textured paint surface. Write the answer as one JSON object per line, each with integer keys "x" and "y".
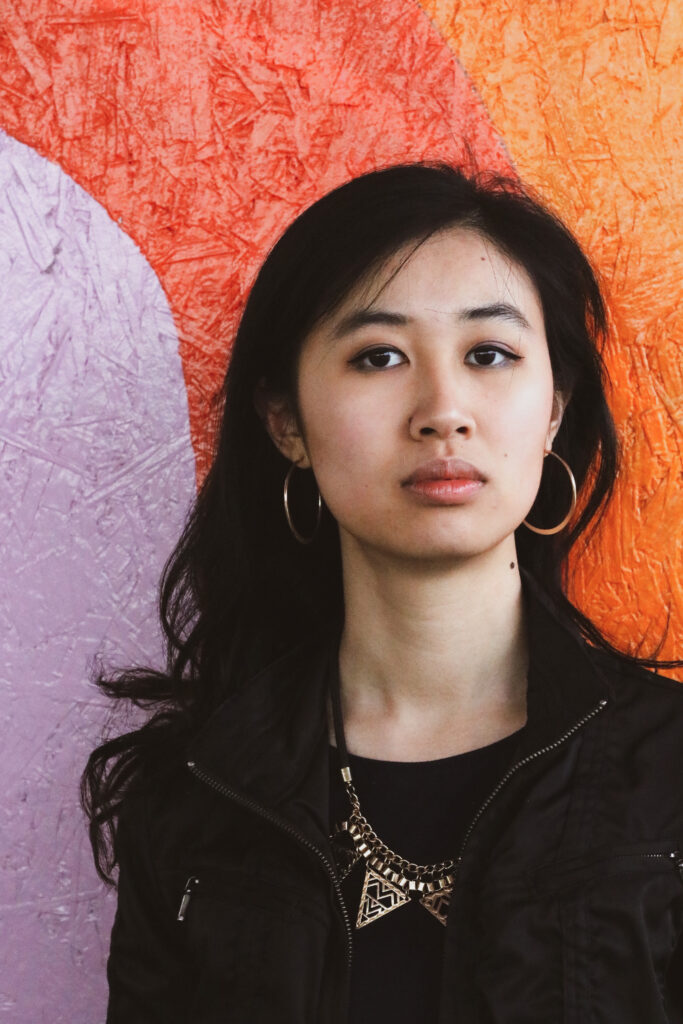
{"x": 202, "y": 129}
{"x": 96, "y": 473}
{"x": 588, "y": 96}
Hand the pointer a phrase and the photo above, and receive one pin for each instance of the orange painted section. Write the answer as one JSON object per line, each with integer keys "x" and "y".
{"x": 587, "y": 96}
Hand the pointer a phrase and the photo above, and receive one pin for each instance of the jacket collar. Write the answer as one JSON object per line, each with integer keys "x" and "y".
{"x": 268, "y": 740}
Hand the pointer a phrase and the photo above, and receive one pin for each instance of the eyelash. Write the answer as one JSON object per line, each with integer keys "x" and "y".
{"x": 358, "y": 360}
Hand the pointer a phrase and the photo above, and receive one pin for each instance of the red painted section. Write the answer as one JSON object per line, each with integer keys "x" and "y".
{"x": 205, "y": 128}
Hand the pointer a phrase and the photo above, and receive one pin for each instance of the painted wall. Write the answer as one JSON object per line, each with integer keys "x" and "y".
{"x": 152, "y": 153}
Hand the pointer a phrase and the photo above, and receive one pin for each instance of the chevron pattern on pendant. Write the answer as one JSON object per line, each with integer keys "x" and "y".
{"x": 437, "y": 903}
{"x": 379, "y": 897}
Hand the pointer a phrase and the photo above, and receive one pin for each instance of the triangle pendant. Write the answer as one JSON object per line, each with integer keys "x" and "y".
{"x": 437, "y": 903}
{"x": 379, "y": 897}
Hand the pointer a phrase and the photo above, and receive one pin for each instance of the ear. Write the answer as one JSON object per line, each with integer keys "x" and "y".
{"x": 278, "y": 418}
{"x": 560, "y": 402}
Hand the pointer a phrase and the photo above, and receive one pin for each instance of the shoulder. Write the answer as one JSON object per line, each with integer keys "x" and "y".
{"x": 646, "y": 706}
{"x": 152, "y": 790}
{"x": 642, "y": 750}
{"x": 628, "y": 676}
{"x": 162, "y": 801}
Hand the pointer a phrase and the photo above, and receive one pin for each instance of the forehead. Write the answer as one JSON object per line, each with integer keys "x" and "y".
{"x": 445, "y": 272}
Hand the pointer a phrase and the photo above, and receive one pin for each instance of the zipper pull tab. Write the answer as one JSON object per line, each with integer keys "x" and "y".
{"x": 677, "y": 857}
{"x": 190, "y": 886}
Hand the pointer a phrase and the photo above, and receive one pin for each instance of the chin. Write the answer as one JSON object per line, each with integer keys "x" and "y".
{"x": 413, "y": 540}
{"x": 436, "y": 550}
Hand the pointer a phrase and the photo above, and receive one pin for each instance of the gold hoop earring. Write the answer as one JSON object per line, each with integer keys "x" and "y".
{"x": 299, "y": 537}
{"x": 560, "y": 526}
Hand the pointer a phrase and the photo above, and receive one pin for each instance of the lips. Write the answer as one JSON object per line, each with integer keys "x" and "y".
{"x": 444, "y": 469}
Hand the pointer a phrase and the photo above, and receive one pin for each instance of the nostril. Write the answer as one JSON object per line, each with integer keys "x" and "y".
{"x": 433, "y": 430}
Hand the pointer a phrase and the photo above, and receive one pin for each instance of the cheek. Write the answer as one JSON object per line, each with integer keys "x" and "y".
{"x": 524, "y": 419}
{"x": 337, "y": 439}
{"x": 521, "y": 434}
{"x": 353, "y": 449}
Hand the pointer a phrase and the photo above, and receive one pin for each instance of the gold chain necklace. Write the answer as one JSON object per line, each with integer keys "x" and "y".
{"x": 390, "y": 880}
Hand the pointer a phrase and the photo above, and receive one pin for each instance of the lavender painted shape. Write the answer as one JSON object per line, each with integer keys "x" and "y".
{"x": 96, "y": 477}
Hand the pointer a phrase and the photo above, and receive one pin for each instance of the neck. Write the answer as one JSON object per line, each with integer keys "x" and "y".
{"x": 432, "y": 649}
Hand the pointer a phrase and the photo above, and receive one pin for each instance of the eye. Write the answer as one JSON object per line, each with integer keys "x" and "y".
{"x": 375, "y": 359}
{"x": 491, "y": 355}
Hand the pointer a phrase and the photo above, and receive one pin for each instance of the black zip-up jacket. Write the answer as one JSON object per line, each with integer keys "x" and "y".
{"x": 568, "y": 898}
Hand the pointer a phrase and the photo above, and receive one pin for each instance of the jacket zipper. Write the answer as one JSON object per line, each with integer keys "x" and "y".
{"x": 216, "y": 784}
{"x": 675, "y": 855}
{"x": 190, "y": 885}
{"x": 525, "y": 760}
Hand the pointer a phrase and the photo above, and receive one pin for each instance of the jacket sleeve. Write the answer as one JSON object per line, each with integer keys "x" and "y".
{"x": 147, "y": 969}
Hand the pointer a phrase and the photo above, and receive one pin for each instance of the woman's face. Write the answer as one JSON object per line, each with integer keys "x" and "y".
{"x": 448, "y": 360}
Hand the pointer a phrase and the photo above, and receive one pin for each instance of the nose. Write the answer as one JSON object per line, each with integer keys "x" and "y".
{"x": 441, "y": 408}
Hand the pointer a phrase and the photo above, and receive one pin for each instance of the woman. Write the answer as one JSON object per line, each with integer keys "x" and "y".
{"x": 392, "y": 773}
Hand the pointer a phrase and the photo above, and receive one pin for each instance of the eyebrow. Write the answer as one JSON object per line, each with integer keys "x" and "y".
{"x": 364, "y": 317}
{"x": 497, "y": 310}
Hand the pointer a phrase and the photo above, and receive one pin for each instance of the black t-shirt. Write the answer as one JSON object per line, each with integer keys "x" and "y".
{"x": 420, "y": 810}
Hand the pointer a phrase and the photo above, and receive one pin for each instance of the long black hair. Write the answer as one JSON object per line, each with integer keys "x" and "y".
{"x": 239, "y": 589}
